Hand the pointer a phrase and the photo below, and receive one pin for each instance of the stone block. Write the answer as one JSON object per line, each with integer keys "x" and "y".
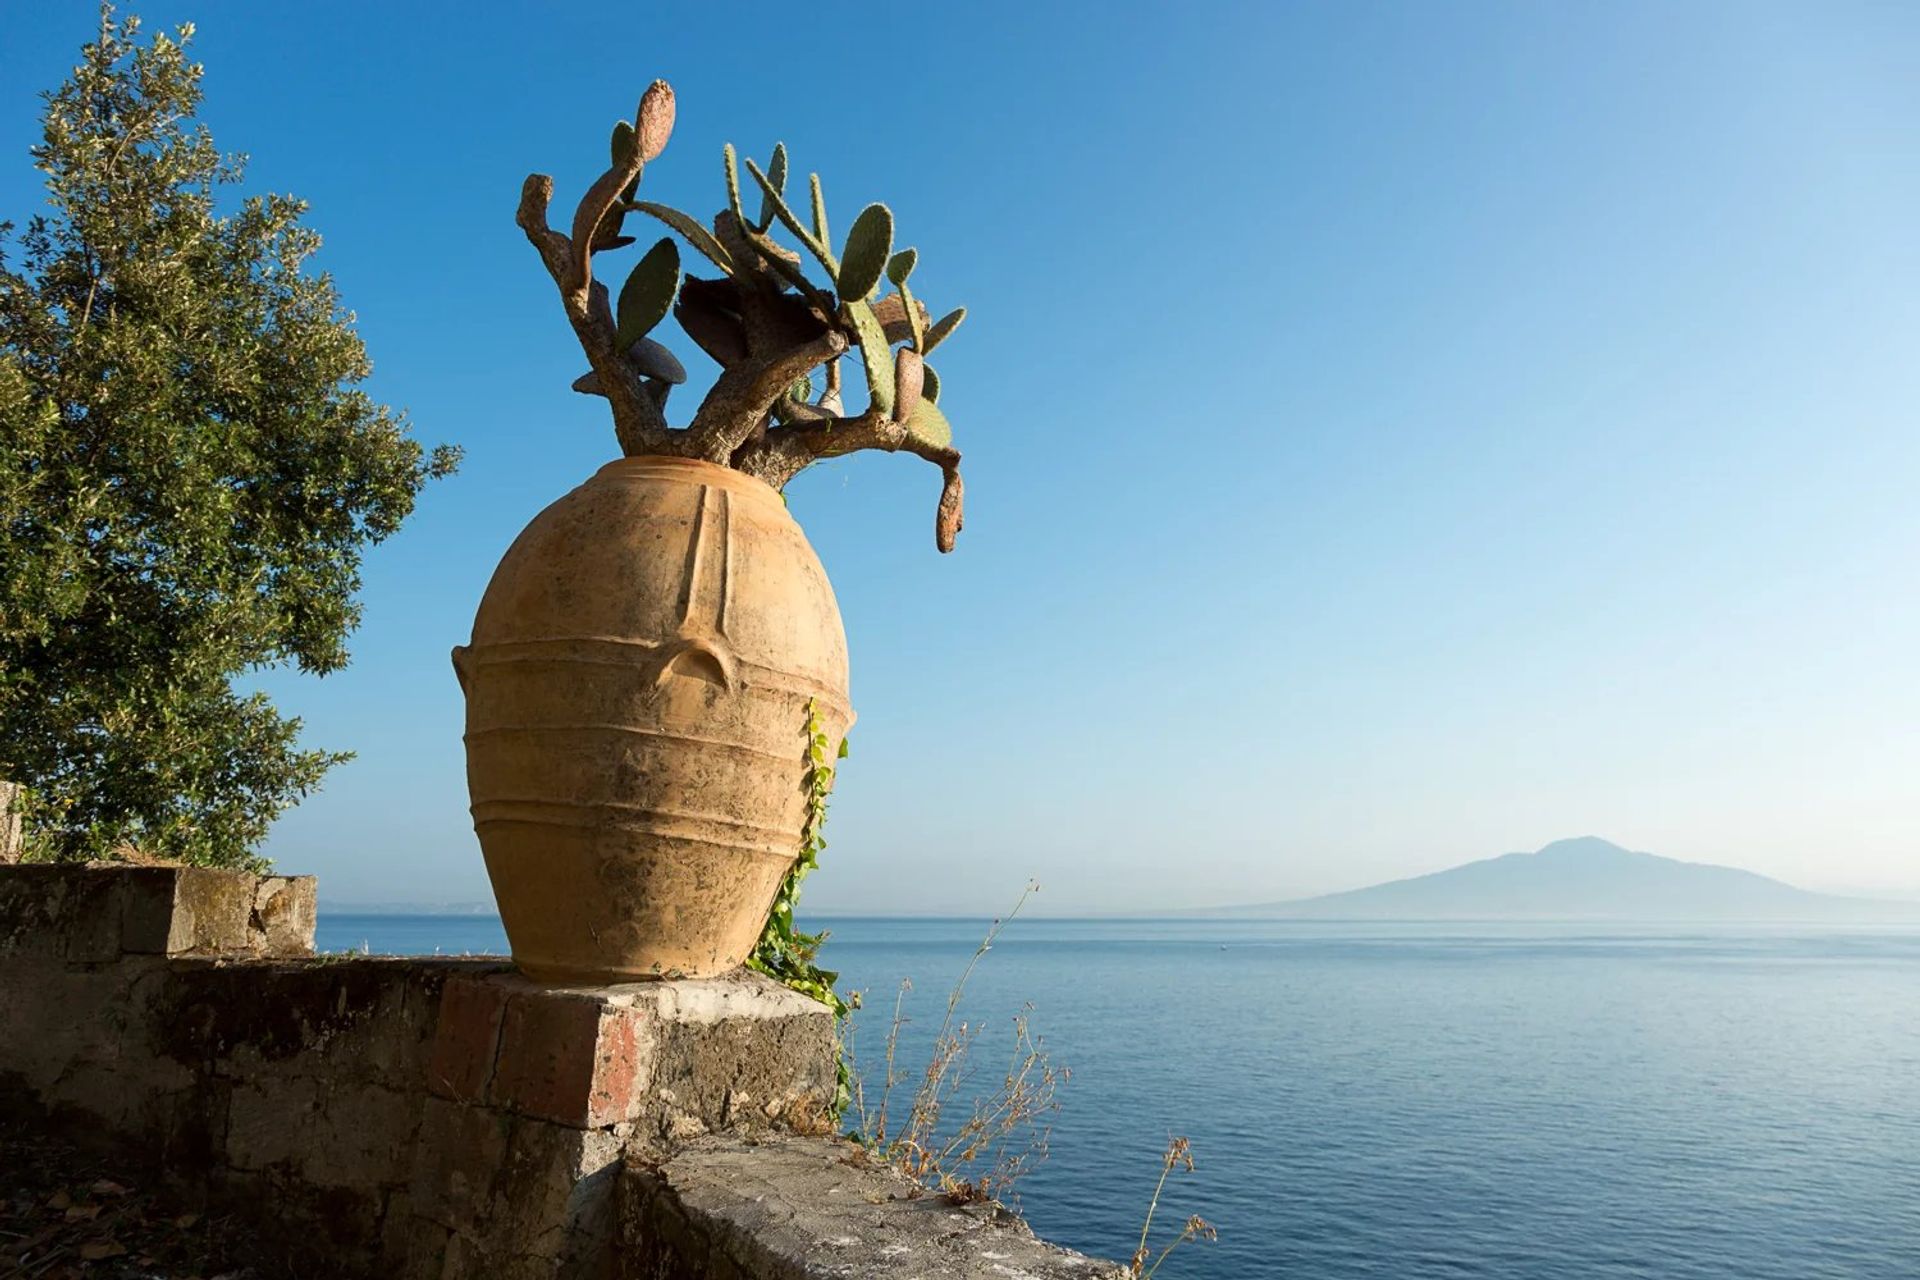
{"x": 683, "y": 1055}
{"x": 369, "y": 1019}
{"x": 191, "y": 1123}
{"x": 94, "y": 914}
{"x": 217, "y": 912}
{"x": 571, "y": 1058}
{"x": 212, "y": 911}
{"x": 47, "y": 1016}
{"x": 285, "y": 911}
{"x": 426, "y": 1252}
{"x": 31, "y": 903}
{"x": 399, "y": 1226}
{"x": 553, "y": 1198}
{"x": 327, "y": 1134}
{"x": 466, "y": 1038}
{"x": 269, "y": 1124}
{"x": 461, "y": 1259}
{"x": 11, "y": 844}
{"x": 459, "y": 1151}
{"x": 98, "y": 905}
{"x": 362, "y": 1138}
{"x": 739, "y": 1053}
{"x": 147, "y": 921}
{"x": 814, "y": 1208}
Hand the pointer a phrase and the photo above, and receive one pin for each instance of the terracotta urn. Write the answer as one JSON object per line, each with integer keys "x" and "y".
{"x": 637, "y": 691}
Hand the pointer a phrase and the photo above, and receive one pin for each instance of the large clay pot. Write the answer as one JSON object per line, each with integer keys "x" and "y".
{"x": 636, "y": 738}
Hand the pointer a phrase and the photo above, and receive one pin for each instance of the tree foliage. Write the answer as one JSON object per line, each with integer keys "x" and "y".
{"x": 190, "y": 474}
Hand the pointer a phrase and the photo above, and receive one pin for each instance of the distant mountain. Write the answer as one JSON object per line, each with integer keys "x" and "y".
{"x": 1583, "y": 879}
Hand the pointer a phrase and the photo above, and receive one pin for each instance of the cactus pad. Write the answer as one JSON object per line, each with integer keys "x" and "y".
{"x": 692, "y": 232}
{"x": 944, "y": 329}
{"x": 819, "y": 209}
{"x": 777, "y": 177}
{"x": 875, "y": 355}
{"x": 653, "y": 123}
{"x": 864, "y": 260}
{"x": 915, "y": 316}
{"x": 909, "y": 373}
{"x": 930, "y": 426}
{"x": 649, "y": 292}
{"x": 791, "y": 220}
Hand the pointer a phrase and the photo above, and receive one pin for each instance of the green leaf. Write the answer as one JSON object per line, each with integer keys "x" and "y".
{"x": 864, "y": 260}
{"x": 876, "y": 356}
{"x": 943, "y": 329}
{"x": 929, "y": 426}
{"x": 649, "y": 292}
{"x": 696, "y": 235}
{"x": 843, "y": 748}
{"x": 901, "y": 265}
{"x": 929, "y": 383}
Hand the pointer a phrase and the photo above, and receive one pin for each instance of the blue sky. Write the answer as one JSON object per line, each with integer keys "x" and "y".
{"x": 1395, "y": 434}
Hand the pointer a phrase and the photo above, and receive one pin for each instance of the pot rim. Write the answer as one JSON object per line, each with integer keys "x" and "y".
{"x": 690, "y": 470}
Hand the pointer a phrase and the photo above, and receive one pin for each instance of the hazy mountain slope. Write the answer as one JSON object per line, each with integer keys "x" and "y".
{"x": 1585, "y": 878}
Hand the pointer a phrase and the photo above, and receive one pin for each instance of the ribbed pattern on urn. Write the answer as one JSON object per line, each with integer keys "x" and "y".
{"x": 637, "y": 687}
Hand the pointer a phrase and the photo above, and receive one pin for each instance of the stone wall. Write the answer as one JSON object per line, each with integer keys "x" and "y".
{"x": 10, "y": 834}
{"x": 780, "y": 1208}
{"x": 435, "y": 1119}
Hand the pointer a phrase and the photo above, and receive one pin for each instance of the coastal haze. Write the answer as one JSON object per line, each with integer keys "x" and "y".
{"x": 1581, "y": 878}
{"x": 1586, "y": 878}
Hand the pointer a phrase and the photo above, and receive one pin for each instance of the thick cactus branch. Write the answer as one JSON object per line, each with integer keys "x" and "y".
{"x": 778, "y": 260}
{"x": 950, "y": 515}
{"x": 740, "y": 401}
{"x": 655, "y": 123}
{"x": 830, "y": 397}
{"x": 637, "y": 416}
{"x": 783, "y": 452}
{"x": 536, "y": 193}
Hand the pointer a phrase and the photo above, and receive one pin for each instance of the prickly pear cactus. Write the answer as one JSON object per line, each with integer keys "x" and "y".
{"x": 649, "y": 292}
{"x": 869, "y": 245}
{"x": 774, "y": 311}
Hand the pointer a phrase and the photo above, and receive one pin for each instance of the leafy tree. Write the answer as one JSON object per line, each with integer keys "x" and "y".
{"x": 189, "y": 475}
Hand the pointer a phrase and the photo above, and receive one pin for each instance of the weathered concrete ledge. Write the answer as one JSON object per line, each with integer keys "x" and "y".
{"x": 100, "y": 915}
{"x": 816, "y": 1209}
{"x": 436, "y": 1119}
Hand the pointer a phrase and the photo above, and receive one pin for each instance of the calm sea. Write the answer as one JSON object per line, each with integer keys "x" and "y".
{"x": 1497, "y": 1101}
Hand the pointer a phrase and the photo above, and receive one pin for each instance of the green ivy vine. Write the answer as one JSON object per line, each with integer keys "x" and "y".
{"x": 786, "y": 953}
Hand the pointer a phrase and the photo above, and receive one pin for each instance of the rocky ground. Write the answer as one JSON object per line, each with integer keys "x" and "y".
{"x": 65, "y": 1213}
